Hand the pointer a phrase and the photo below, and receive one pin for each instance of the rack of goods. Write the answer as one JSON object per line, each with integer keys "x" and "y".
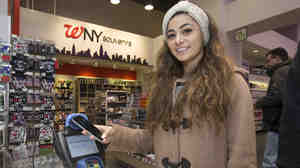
{"x": 31, "y": 104}
{"x": 5, "y": 75}
{"x": 258, "y": 87}
{"x": 63, "y": 101}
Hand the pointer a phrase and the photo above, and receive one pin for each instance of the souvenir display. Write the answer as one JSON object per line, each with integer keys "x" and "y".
{"x": 31, "y": 105}
{"x": 64, "y": 102}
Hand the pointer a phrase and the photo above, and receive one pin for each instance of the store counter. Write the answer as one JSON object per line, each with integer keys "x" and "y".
{"x": 113, "y": 160}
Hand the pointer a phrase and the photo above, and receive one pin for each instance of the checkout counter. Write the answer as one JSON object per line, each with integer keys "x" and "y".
{"x": 113, "y": 160}
{"x": 74, "y": 150}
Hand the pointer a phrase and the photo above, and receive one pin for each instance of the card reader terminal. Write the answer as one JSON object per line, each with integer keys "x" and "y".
{"x": 77, "y": 150}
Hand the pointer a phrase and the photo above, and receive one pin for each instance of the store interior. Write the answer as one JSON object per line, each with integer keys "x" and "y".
{"x": 97, "y": 58}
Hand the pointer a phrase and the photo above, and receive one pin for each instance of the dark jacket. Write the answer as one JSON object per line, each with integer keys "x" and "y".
{"x": 271, "y": 104}
{"x": 289, "y": 138}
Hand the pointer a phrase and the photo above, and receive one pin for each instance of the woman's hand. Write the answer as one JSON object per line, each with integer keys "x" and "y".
{"x": 106, "y": 133}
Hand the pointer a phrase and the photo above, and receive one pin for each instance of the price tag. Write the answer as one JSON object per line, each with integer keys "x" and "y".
{"x": 29, "y": 73}
{"x": 27, "y": 108}
{"x": 53, "y": 108}
{"x": 5, "y": 78}
{"x": 6, "y": 58}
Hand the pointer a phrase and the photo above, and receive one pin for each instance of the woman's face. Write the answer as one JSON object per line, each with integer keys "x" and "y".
{"x": 184, "y": 38}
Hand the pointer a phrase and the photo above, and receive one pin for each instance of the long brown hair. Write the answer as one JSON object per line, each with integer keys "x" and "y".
{"x": 206, "y": 93}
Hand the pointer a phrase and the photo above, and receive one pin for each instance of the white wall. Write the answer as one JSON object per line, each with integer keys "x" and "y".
{"x": 42, "y": 26}
{"x": 240, "y": 13}
{"x": 3, "y": 7}
{"x": 5, "y": 28}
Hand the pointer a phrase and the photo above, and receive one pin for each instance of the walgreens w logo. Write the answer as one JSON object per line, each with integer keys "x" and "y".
{"x": 73, "y": 32}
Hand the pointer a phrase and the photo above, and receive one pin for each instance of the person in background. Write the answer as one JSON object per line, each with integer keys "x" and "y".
{"x": 277, "y": 64}
{"x": 200, "y": 113}
{"x": 289, "y": 138}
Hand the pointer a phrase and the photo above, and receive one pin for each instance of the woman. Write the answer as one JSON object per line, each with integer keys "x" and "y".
{"x": 200, "y": 112}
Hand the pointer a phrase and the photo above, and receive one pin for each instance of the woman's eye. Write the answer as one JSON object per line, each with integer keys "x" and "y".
{"x": 187, "y": 31}
{"x": 171, "y": 36}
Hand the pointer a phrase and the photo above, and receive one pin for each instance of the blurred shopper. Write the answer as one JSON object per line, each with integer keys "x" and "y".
{"x": 289, "y": 138}
{"x": 200, "y": 113}
{"x": 277, "y": 64}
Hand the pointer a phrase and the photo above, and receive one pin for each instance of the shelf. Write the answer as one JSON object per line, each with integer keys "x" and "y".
{"x": 103, "y": 63}
{"x": 259, "y": 90}
{"x": 116, "y": 104}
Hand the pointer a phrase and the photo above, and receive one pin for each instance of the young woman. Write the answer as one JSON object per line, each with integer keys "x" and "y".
{"x": 200, "y": 113}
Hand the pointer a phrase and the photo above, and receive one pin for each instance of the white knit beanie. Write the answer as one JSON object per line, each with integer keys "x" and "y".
{"x": 194, "y": 11}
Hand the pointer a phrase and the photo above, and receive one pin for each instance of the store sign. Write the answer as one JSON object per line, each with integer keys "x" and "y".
{"x": 78, "y": 38}
{"x": 241, "y": 34}
{"x": 75, "y": 32}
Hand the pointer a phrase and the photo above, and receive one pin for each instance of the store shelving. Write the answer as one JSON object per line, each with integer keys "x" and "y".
{"x": 116, "y": 105}
{"x": 64, "y": 101}
{"x": 258, "y": 81}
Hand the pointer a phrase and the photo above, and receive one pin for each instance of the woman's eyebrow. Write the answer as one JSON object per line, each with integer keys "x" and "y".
{"x": 180, "y": 27}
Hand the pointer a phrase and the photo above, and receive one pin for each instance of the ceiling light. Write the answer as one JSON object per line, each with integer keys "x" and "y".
{"x": 255, "y": 51}
{"x": 115, "y": 2}
{"x": 149, "y": 7}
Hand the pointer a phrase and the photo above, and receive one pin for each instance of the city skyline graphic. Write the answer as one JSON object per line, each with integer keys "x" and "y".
{"x": 101, "y": 54}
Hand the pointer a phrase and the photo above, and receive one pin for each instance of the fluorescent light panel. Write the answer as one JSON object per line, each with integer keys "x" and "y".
{"x": 149, "y": 7}
{"x": 115, "y": 2}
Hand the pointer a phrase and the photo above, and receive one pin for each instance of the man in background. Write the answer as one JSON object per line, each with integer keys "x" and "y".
{"x": 271, "y": 104}
{"x": 289, "y": 139}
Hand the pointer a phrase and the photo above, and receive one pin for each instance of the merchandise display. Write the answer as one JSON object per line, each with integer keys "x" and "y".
{"x": 5, "y": 75}
{"x": 31, "y": 105}
{"x": 123, "y": 107}
{"x": 63, "y": 102}
{"x": 106, "y": 101}
{"x": 258, "y": 81}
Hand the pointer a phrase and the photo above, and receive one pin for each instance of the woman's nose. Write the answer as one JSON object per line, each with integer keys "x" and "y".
{"x": 179, "y": 39}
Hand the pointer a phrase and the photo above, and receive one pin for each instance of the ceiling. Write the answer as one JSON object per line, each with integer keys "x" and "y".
{"x": 161, "y": 5}
{"x": 130, "y": 16}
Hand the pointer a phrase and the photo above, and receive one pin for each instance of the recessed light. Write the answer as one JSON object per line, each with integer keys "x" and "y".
{"x": 255, "y": 51}
{"x": 115, "y": 2}
{"x": 149, "y": 7}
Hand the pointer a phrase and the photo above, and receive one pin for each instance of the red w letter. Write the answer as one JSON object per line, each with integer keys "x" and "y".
{"x": 74, "y": 33}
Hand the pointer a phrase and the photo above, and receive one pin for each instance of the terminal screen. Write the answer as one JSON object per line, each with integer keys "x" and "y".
{"x": 81, "y": 145}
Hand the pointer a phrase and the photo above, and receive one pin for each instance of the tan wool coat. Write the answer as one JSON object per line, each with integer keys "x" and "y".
{"x": 234, "y": 147}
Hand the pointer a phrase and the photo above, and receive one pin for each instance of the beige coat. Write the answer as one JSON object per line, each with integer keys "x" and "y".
{"x": 234, "y": 147}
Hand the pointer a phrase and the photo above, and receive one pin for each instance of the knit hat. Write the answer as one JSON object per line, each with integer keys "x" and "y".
{"x": 194, "y": 11}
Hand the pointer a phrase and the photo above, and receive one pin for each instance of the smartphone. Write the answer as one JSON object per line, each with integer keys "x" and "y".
{"x": 86, "y": 125}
